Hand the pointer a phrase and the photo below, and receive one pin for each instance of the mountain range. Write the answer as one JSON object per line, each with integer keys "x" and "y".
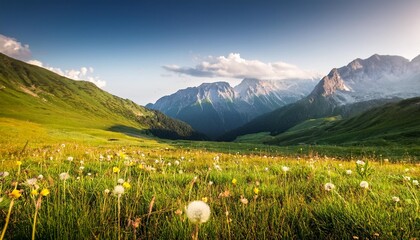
{"x": 215, "y": 108}
{"x": 34, "y": 94}
{"x": 379, "y": 78}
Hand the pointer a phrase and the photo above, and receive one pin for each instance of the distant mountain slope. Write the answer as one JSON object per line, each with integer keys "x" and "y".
{"x": 378, "y": 77}
{"x": 214, "y": 108}
{"x": 394, "y": 122}
{"x": 35, "y": 94}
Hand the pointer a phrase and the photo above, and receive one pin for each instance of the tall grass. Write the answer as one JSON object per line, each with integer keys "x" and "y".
{"x": 287, "y": 205}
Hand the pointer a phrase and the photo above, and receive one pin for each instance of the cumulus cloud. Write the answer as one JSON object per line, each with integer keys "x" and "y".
{"x": 11, "y": 47}
{"x": 233, "y": 66}
{"x": 84, "y": 73}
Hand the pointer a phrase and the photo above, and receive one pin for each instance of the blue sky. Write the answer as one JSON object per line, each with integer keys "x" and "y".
{"x": 146, "y": 49}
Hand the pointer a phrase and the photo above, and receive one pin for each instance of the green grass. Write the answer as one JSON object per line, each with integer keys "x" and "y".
{"x": 395, "y": 124}
{"x": 289, "y": 205}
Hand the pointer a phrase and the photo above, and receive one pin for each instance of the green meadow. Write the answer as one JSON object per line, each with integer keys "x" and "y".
{"x": 254, "y": 191}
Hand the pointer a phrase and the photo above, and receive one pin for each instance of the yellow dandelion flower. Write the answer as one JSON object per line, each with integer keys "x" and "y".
{"x": 126, "y": 185}
{"x": 18, "y": 163}
{"x": 256, "y": 190}
{"x": 45, "y": 192}
{"x": 234, "y": 181}
{"x": 116, "y": 169}
{"x": 204, "y": 199}
{"x": 141, "y": 166}
{"x": 15, "y": 194}
{"x": 34, "y": 192}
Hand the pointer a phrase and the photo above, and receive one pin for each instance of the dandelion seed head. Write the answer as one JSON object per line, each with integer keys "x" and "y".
{"x": 349, "y": 172}
{"x": 415, "y": 182}
{"x": 106, "y": 191}
{"x": 395, "y": 199}
{"x": 329, "y": 187}
{"x": 4, "y": 174}
{"x": 118, "y": 190}
{"x": 285, "y": 169}
{"x": 364, "y": 184}
{"x": 120, "y": 181}
{"x": 360, "y": 162}
{"x": 64, "y": 176}
{"x": 70, "y": 159}
{"x": 198, "y": 212}
{"x": 40, "y": 176}
{"x": 31, "y": 181}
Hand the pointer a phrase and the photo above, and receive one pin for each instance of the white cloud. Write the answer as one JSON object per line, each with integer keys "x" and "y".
{"x": 84, "y": 73}
{"x": 11, "y": 47}
{"x": 233, "y": 66}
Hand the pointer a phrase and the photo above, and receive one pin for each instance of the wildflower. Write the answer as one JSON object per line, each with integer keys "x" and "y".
{"x": 18, "y": 163}
{"x": 70, "y": 159}
{"x": 126, "y": 185}
{"x": 118, "y": 190}
{"x": 4, "y": 174}
{"x": 82, "y": 162}
{"x": 34, "y": 192}
{"x": 256, "y": 190}
{"x": 116, "y": 169}
{"x": 169, "y": 164}
{"x": 176, "y": 162}
{"x": 243, "y": 200}
{"x": 120, "y": 181}
{"x": 31, "y": 181}
{"x": 106, "y": 191}
{"x": 81, "y": 168}
{"x": 234, "y": 181}
{"x": 415, "y": 182}
{"x": 45, "y": 192}
{"x": 178, "y": 212}
{"x": 211, "y": 183}
{"x": 285, "y": 169}
{"x": 395, "y": 199}
{"x": 266, "y": 169}
{"x": 15, "y": 194}
{"x": 198, "y": 212}
{"x": 386, "y": 160}
{"x": 349, "y": 172}
{"x": 364, "y": 184}
{"x": 89, "y": 174}
{"x": 329, "y": 186}
{"x": 360, "y": 162}
{"x": 64, "y": 176}
{"x": 204, "y": 199}
{"x": 40, "y": 176}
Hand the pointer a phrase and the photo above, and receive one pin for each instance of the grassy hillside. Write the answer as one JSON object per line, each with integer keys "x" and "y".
{"x": 397, "y": 123}
{"x": 30, "y": 93}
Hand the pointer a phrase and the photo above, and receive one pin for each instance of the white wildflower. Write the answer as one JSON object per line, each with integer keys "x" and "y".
{"x": 70, "y": 159}
{"x": 364, "y": 184}
{"x": 360, "y": 162}
{"x": 415, "y": 182}
{"x": 120, "y": 181}
{"x": 329, "y": 186}
{"x": 198, "y": 212}
{"x": 349, "y": 172}
{"x": 118, "y": 190}
{"x": 395, "y": 199}
{"x": 64, "y": 176}
{"x": 285, "y": 169}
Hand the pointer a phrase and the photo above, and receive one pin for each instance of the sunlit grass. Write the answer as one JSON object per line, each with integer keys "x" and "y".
{"x": 257, "y": 195}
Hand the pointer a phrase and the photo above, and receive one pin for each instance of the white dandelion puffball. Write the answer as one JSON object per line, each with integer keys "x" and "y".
{"x": 329, "y": 186}
{"x": 364, "y": 184}
{"x": 120, "y": 181}
{"x": 70, "y": 159}
{"x": 360, "y": 162}
{"x": 118, "y": 190}
{"x": 349, "y": 172}
{"x": 285, "y": 169}
{"x": 395, "y": 199}
{"x": 198, "y": 212}
{"x": 64, "y": 176}
{"x": 415, "y": 182}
